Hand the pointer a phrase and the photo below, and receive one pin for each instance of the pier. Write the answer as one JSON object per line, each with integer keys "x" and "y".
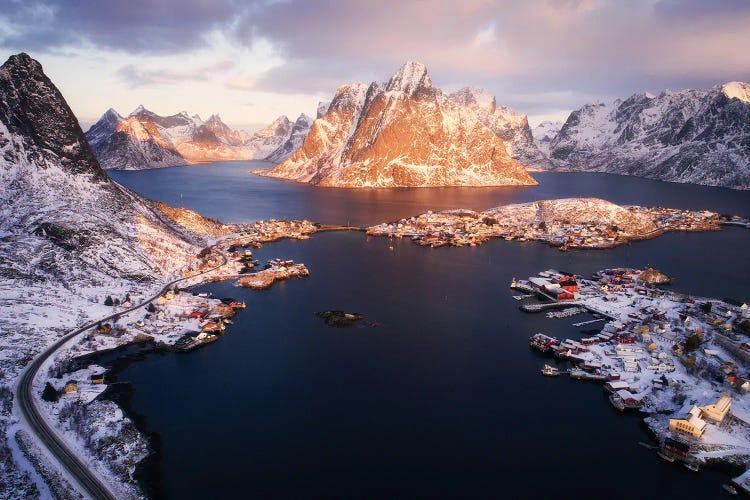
{"x": 533, "y": 308}
{"x": 590, "y": 322}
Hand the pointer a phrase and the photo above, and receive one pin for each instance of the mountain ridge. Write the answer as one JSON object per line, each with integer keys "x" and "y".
{"x": 405, "y": 133}
{"x": 699, "y": 136}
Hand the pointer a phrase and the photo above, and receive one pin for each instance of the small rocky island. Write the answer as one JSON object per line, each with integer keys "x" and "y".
{"x": 340, "y": 318}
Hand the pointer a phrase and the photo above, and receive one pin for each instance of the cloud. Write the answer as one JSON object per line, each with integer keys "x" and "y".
{"x": 575, "y": 49}
{"x": 135, "y": 76}
{"x": 565, "y": 51}
{"x": 134, "y": 26}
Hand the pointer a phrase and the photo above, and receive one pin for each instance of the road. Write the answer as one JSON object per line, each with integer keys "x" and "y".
{"x": 87, "y": 479}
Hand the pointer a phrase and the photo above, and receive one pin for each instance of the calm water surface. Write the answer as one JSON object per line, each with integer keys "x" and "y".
{"x": 443, "y": 397}
{"x": 226, "y": 191}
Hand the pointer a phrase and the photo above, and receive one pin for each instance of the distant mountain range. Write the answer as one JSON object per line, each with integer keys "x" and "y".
{"x": 145, "y": 140}
{"x": 408, "y": 133}
{"x": 693, "y": 136}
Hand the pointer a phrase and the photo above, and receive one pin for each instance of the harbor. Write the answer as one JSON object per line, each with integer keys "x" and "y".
{"x": 680, "y": 361}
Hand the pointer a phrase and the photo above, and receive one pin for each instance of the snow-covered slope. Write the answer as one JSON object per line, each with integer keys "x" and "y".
{"x": 403, "y": 133}
{"x": 511, "y": 127}
{"x": 146, "y": 140}
{"x": 544, "y": 133}
{"x": 68, "y": 234}
{"x": 695, "y": 136}
{"x": 297, "y": 134}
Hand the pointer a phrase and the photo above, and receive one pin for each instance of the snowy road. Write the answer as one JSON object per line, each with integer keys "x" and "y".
{"x": 88, "y": 481}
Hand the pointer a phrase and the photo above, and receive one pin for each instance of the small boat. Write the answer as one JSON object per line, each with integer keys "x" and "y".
{"x": 228, "y": 321}
{"x": 665, "y": 457}
{"x": 729, "y": 489}
{"x": 550, "y": 371}
{"x": 693, "y": 466}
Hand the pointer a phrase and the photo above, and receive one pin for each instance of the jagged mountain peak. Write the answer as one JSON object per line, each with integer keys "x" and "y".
{"x": 34, "y": 111}
{"x": 410, "y": 78}
{"x": 281, "y": 120}
{"x": 737, "y": 90}
{"x": 303, "y": 118}
{"x": 349, "y": 93}
{"x": 139, "y": 110}
{"x": 473, "y": 96}
{"x": 214, "y": 118}
{"x": 112, "y": 113}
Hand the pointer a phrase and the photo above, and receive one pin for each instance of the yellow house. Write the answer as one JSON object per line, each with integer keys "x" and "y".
{"x": 717, "y": 411}
{"x": 71, "y": 387}
{"x": 693, "y": 425}
{"x": 161, "y": 300}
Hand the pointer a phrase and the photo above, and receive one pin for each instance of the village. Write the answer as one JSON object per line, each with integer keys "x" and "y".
{"x": 565, "y": 224}
{"x": 681, "y": 360}
{"x": 177, "y": 319}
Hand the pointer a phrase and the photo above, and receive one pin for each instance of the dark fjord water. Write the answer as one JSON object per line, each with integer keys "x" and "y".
{"x": 443, "y": 397}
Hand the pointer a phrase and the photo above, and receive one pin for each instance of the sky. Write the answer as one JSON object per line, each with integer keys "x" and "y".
{"x": 253, "y": 60}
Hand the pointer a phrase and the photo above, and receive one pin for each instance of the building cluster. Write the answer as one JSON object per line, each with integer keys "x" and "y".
{"x": 656, "y": 351}
{"x": 518, "y": 222}
{"x": 265, "y": 231}
{"x": 276, "y": 270}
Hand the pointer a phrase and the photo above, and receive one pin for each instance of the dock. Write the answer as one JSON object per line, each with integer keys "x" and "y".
{"x": 590, "y": 322}
{"x": 532, "y": 308}
{"x": 522, "y": 297}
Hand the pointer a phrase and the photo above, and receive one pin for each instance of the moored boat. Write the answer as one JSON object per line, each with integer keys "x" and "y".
{"x": 550, "y": 371}
{"x": 666, "y": 457}
{"x": 729, "y": 489}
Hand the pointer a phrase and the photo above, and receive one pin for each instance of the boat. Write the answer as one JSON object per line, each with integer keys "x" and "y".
{"x": 647, "y": 446}
{"x": 550, "y": 371}
{"x": 693, "y": 466}
{"x": 729, "y": 489}
{"x": 668, "y": 458}
{"x": 228, "y": 321}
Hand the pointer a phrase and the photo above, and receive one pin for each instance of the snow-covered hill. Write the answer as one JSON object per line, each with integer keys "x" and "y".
{"x": 69, "y": 235}
{"x": 694, "y": 136}
{"x": 544, "y": 133}
{"x": 403, "y": 133}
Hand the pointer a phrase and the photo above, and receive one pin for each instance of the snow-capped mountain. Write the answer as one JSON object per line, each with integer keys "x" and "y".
{"x": 267, "y": 140}
{"x": 403, "y": 133}
{"x": 297, "y": 134}
{"x": 144, "y": 139}
{"x": 544, "y": 133}
{"x": 132, "y": 143}
{"x": 511, "y": 127}
{"x": 695, "y": 136}
{"x": 62, "y": 217}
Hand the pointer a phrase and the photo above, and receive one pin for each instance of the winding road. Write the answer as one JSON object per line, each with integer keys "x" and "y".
{"x": 87, "y": 480}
